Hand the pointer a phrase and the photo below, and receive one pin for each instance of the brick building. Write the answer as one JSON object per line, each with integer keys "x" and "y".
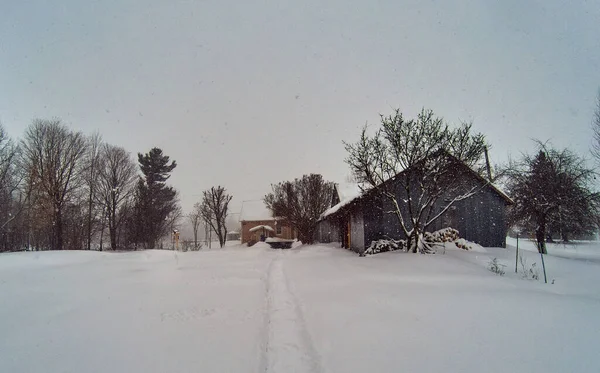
{"x": 257, "y": 222}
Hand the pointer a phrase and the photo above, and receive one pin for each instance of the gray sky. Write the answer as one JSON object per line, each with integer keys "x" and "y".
{"x": 248, "y": 93}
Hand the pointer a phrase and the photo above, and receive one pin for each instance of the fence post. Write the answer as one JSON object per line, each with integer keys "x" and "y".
{"x": 544, "y": 268}
{"x": 517, "y": 255}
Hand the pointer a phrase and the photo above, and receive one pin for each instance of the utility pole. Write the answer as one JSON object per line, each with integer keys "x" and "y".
{"x": 487, "y": 163}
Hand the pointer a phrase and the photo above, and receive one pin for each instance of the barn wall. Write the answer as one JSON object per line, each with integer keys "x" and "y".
{"x": 328, "y": 231}
{"x": 357, "y": 231}
{"x": 485, "y": 219}
{"x": 480, "y": 218}
{"x": 373, "y": 219}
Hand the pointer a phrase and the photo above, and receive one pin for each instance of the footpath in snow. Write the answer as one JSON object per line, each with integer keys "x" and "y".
{"x": 288, "y": 346}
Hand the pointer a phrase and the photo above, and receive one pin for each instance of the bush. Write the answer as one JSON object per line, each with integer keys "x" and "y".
{"x": 529, "y": 273}
{"x": 496, "y": 267}
{"x": 384, "y": 245}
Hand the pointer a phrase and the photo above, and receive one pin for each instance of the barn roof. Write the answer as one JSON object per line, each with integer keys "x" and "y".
{"x": 355, "y": 198}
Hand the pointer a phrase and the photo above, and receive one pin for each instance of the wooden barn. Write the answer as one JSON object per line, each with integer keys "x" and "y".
{"x": 356, "y": 222}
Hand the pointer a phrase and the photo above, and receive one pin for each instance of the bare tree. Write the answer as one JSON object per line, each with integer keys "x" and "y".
{"x": 90, "y": 174}
{"x": 52, "y": 155}
{"x": 596, "y": 130}
{"x": 214, "y": 210}
{"x": 12, "y": 198}
{"x": 195, "y": 217}
{"x": 300, "y": 203}
{"x": 423, "y": 155}
{"x": 8, "y": 155}
{"x": 115, "y": 184}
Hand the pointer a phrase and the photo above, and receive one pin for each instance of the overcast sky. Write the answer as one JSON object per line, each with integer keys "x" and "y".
{"x": 249, "y": 93}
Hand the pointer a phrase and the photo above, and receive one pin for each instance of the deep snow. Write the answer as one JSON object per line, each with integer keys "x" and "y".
{"x": 307, "y": 309}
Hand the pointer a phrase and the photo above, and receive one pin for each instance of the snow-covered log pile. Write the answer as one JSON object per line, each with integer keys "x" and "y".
{"x": 441, "y": 236}
{"x": 463, "y": 244}
{"x": 383, "y": 245}
{"x": 448, "y": 235}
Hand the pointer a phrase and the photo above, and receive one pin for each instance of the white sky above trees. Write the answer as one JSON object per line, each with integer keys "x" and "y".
{"x": 249, "y": 93}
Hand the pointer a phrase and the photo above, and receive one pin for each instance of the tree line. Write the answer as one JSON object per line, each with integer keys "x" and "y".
{"x": 62, "y": 190}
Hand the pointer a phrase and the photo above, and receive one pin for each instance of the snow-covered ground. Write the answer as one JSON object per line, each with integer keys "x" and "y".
{"x": 306, "y": 309}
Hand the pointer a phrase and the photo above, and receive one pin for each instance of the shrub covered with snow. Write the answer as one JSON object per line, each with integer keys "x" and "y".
{"x": 496, "y": 267}
{"x": 384, "y": 245}
{"x": 529, "y": 272}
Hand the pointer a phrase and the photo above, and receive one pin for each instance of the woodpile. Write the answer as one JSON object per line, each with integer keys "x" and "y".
{"x": 443, "y": 235}
{"x": 463, "y": 244}
{"x": 384, "y": 245}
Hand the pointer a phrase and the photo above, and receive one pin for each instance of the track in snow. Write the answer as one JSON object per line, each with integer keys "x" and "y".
{"x": 287, "y": 343}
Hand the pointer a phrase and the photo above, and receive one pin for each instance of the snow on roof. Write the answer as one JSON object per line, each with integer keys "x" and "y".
{"x": 348, "y": 190}
{"x": 337, "y": 207}
{"x": 259, "y": 227}
{"x": 255, "y": 210}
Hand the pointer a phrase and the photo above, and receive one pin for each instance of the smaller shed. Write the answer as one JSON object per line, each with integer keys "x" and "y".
{"x": 233, "y": 236}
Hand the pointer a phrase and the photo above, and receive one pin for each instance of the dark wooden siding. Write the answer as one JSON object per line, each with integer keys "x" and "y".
{"x": 481, "y": 218}
{"x": 373, "y": 219}
{"x": 328, "y": 231}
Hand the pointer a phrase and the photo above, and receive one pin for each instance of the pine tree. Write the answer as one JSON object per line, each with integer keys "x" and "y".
{"x": 154, "y": 199}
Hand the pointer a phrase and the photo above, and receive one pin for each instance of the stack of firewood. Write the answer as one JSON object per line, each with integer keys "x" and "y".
{"x": 443, "y": 235}
{"x": 462, "y": 244}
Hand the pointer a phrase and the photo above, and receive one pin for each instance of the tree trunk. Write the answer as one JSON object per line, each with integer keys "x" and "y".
{"x": 540, "y": 235}
{"x": 195, "y": 237}
{"x": 113, "y": 236}
{"x": 89, "y": 221}
{"x": 220, "y": 235}
{"x": 102, "y": 233}
{"x": 413, "y": 241}
{"x": 58, "y": 230}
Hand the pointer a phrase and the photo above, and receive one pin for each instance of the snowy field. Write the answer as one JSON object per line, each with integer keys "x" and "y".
{"x": 308, "y": 309}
